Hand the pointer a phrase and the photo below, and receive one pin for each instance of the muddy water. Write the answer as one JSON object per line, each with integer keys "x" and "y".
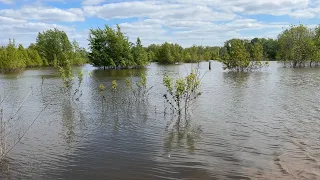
{"x": 257, "y": 125}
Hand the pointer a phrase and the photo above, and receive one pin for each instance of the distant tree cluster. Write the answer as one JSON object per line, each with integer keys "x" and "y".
{"x": 14, "y": 57}
{"x": 110, "y": 48}
{"x": 297, "y": 46}
{"x": 52, "y": 48}
{"x": 167, "y": 53}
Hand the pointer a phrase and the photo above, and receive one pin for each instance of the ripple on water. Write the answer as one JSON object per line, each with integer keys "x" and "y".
{"x": 259, "y": 125}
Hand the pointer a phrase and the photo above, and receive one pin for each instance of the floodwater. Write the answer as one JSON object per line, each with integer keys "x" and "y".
{"x": 257, "y": 125}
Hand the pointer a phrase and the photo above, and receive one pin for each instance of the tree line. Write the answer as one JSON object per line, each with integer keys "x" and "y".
{"x": 297, "y": 46}
{"x": 52, "y": 48}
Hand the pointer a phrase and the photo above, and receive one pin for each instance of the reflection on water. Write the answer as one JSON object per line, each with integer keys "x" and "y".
{"x": 257, "y": 125}
{"x": 181, "y": 133}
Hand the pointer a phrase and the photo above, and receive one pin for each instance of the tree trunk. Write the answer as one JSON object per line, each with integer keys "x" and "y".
{"x": 294, "y": 64}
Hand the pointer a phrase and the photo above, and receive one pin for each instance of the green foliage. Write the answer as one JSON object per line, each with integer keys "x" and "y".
{"x": 298, "y": 46}
{"x": 257, "y": 51}
{"x": 79, "y": 55}
{"x": 165, "y": 54}
{"x": 128, "y": 84}
{"x": 55, "y": 49}
{"x": 52, "y": 48}
{"x": 171, "y": 53}
{"x": 182, "y": 92}
{"x": 34, "y": 59}
{"x": 270, "y": 48}
{"x": 80, "y": 77}
{"x": 140, "y": 56}
{"x": 153, "y": 52}
{"x": 54, "y": 45}
{"x": 111, "y": 48}
{"x": 242, "y": 55}
{"x": 66, "y": 74}
{"x": 101, "y": 87}
{"x": 238, "y": 57}
{"x": 143, "y": 80}
{"x": 10, "y": 57}
{"x": 114, "y": 85}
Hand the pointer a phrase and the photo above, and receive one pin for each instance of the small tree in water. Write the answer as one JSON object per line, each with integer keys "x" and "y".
{"x": 66, "y": 74}
{"x": 182, "y": 92}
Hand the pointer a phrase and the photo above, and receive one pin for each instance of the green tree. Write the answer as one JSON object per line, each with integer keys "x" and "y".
{"x": 34, "y": 58}
{"x": 238, "y": 57}
{"x": 54, "y": 43}
{"x": 165, "y": 55}
{"x": 153, "y": 52}
{"x": 79, "y": 55}
{"x": 297, "y": 46}
{"x": 140, "y": 56}
{"x": 257, "y": 51}
{"x": 111, "y": 48}
{"x": 23, "y": 55}
{"x": 10, "y": 57}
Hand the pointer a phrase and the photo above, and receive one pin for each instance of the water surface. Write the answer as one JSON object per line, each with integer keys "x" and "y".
{"x": 257, "y": 125}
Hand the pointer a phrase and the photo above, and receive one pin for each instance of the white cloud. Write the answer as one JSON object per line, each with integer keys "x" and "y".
{"x": 46, "y": 14}
{"x": 306, "y": 13}
{"x": 188, "y": 33}
{"x": 276, "y": 7}
{"x": 25, "y": 32}
{"x": 186, "y": 22}
{"x": 159, "y": 10}
{"x": 8, "y": 21}
{"x": 92, "y": 2}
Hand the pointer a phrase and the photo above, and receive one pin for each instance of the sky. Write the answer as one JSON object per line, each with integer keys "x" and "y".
{"x": 186, "y": 22}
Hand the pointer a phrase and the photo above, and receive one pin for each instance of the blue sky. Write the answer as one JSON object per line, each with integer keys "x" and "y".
{"x": 186, "y": 22}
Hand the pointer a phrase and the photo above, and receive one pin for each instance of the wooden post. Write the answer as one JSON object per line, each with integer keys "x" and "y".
{"x": 209, "y": 65}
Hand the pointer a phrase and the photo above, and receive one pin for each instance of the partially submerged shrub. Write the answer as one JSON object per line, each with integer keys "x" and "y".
{"x": 182, "y": 92}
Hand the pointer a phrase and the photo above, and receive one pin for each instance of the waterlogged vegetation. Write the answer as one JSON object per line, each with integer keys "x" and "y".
{"x": 52, "y": 48}
{"x": 297, "y": 46}
{"x": 110, "y": 48}
{"x": 119, "y": 100}
{"x": 182, "y": 92}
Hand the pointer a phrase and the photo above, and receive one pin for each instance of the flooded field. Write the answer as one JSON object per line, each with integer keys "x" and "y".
{"x": 257, "y": 125}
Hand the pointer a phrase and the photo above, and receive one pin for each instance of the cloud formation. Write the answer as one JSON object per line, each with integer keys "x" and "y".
{"x": 187, "y": 22}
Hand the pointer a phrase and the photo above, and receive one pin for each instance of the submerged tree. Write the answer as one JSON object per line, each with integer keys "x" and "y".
{"x": 79, "y": 55}
{"x": 297, "y": 47}
{"x": 54, "y": 44}
{"x": 140, "y": 56}
{"x": 111, "y": 48}
{"x": 182, "y": 91}
{"x": 236, "y": 55}
{"x": 55, "y": 48}
{"x": 11, "y": 57}
{"x": 257, "y": 52}
{"x": 165, "y": 55}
